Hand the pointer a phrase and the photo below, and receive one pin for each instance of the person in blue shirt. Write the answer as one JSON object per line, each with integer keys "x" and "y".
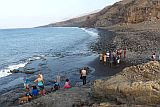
{"x": 34, "y": 91}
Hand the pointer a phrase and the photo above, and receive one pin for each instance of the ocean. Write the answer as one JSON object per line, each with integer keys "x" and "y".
{"x": 23, "y": 47}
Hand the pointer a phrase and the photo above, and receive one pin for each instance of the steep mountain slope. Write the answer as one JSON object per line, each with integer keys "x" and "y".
{"x": 75, "y": 22}
{"x": 125, "y": 11}
{"x": 131, "y": 11}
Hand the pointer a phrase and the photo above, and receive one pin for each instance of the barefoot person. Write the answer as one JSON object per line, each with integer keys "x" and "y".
{"x": 84, "y": 75}
{"x": 40, "y": 83}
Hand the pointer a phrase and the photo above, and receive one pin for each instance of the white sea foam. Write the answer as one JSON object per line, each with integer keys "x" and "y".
{"x": 6, "y": 71}
{"x": 12, "y": 67}
{"x": 91, "y": 32}
{"x": 34, "y": 58}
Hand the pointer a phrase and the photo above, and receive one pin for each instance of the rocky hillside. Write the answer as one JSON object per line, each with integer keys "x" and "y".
{"x": 134, "y": 85}
{"x": 125, "y": 11}
{"x": 75, "y": 22}
{"x": 129, "y": 11}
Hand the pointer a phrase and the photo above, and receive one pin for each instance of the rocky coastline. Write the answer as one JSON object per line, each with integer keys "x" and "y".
{"x": 133, "y": 37}
{"x": 137, "y": 77}
{"x": 141, "y": 40}
{"x": 130, "y": 24}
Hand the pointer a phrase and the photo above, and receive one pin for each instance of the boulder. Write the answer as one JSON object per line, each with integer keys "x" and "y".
{"x": 19, "y": 71}
{"x": 134, "y": 85}
{"x": 15, "y": 71}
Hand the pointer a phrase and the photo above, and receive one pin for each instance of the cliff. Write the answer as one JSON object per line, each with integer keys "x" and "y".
{"x": 125, "y": 11}
{"x": 129, "y": 11}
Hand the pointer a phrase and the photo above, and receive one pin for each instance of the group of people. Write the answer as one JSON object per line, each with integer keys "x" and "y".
{"x": 35, "y": 91}
{"x": 112, "y": 57}
{"x": 38, "y": 89}
{"x": 40, "y": 83}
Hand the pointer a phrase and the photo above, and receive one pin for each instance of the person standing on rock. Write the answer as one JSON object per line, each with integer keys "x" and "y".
{"x": 40, "y": 83}
{"x": 83, "y": 73}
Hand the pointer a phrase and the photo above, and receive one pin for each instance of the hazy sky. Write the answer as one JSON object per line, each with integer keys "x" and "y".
{"x": 31, "y": 13}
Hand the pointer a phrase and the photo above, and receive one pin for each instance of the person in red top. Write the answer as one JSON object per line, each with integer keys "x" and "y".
{"x": 125, "y": 53}
{"x": 120, "y": 52}
{"x": 67, "y": 84}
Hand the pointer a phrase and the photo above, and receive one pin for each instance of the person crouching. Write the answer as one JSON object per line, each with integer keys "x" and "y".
{"x": 67, "y": 84}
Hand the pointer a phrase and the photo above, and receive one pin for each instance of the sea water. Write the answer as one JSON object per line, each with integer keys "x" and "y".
{"x": 20, "y": 46}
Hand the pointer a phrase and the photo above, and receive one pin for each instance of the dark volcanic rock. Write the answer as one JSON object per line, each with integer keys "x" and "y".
{"x": 15, "y": 71}
{"x": 26, "y": 71}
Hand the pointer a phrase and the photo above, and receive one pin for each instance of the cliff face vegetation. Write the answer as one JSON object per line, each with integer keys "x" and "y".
{"x": 125, "y": 11}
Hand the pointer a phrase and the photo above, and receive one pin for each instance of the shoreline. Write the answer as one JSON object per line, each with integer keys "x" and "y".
{"x": 91, "y": 62}
{"x": 100, "y": 71}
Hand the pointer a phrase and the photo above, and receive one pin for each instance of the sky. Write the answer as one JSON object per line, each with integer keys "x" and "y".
{"x": 32, "y": 13}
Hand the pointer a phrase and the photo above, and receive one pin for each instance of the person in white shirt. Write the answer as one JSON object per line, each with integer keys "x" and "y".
{"x": 107, "y": 55}
{"x": 84, "y": 75}
{"x": 154, "y": 56}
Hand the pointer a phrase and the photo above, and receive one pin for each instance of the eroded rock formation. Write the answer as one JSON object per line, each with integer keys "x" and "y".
{"x": 134, "y": 85}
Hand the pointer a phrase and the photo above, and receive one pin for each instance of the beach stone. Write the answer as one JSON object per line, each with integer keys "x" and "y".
{"x": 134, "y": 85}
